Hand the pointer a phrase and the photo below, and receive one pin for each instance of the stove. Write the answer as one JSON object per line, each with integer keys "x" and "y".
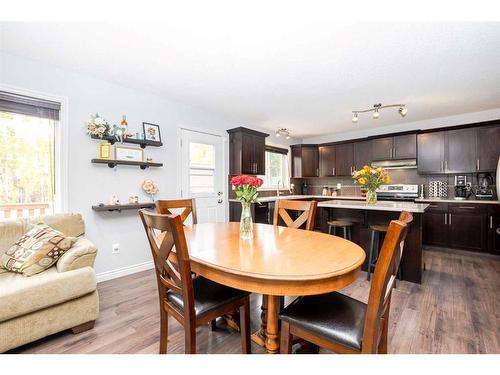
{"x": 397, "y": 192}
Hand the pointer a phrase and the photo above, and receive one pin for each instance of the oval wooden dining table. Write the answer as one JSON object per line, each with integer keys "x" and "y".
{"x": 278, "y": 261}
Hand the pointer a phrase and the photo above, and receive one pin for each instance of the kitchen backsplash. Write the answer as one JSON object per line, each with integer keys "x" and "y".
{"x": 398, "y": 176}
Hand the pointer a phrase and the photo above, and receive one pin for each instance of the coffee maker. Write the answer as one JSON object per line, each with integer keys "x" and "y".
{"x": 484, "y": 190}
{"x": 462, "y": 187}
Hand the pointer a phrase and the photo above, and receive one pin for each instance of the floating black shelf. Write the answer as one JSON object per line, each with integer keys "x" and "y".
{"x": 141, "y": 142}
{"x": 113, "y": 163}
{"x": 120, "y": 207}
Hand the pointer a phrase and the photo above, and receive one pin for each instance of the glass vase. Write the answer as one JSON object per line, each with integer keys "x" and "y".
{"x": 246, "y": 222}
{"x": 371, "y": 197}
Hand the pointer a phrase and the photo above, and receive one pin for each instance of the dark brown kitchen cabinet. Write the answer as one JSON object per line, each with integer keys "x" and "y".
{"x": 326, "y": 161}
{"x": 344, "y": 159}
{"x": 487, "y": 148}
{"x": 493, "y": 225}
{"x": 363, "y": 152}
{"x": 430, "y": 152}
{"x": 435, "y": 225}
{"x": 305, "y": 161}
{"x": 456, "y": 225}
{"x": 393, "y": 148}
{"x": 468, "y": 227}
{"x": 382, "y": 148}
{"x": 460, "y": 151}
{"x": 247, "y": 151}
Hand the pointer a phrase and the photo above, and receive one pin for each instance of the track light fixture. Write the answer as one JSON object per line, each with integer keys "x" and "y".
{"x": 283, "y": 132}
{"x": 402, "y": 110}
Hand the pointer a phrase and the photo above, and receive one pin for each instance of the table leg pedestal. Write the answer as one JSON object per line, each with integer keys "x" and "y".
{"x": 259, "y": 337}
{"x": 272, "y": 329}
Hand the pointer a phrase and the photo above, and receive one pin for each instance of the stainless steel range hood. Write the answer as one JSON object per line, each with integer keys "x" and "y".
{"x": 396, "y": 164}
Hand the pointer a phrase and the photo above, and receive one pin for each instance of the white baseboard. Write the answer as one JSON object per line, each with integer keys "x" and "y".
{"x": 124, "y": 271}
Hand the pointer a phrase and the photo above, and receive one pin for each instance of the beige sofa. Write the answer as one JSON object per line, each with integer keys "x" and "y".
{"x": 60, "y": 298}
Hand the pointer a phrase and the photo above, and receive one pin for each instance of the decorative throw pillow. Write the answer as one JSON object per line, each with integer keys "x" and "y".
{"x": 36, "y": 250}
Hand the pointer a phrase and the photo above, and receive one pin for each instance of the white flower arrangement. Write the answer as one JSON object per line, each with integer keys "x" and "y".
{"x": 150, "y": 188}
{"x": 98, "y": 126}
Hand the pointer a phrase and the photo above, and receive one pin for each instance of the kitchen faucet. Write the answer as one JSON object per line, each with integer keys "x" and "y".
{"x": 278, "y": 189}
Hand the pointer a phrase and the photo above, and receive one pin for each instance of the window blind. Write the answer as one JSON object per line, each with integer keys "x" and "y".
{"x": 26, "y": 105}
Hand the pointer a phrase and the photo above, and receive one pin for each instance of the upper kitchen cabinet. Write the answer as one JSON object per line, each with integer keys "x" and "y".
{"x": 397, "y": 147}
{"x": 344, "y": 159}
{"x": 326, "y": 161}
{"x": 247, "y": 151}
{"x": 305, "y": 161}
{"x": 362, "y": 154}
{"x": 460, "y": 151}
{"x": 430, "y": 155}
{"x": 487, "y": 148}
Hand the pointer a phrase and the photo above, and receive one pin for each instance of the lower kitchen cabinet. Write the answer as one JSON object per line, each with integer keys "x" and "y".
{"x": 457, "y": 225}
{"x": 493, "y": 225}
{"x": 435, "y": 225}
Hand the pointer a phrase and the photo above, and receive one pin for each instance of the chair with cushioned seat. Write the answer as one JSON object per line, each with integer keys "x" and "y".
{"x": 343, "y": 324}
{"x": 192, "y": 302}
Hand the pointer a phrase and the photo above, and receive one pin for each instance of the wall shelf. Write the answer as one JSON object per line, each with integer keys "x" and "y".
{"x": 113, "y": 163}
{"x": 120, "y": 207}
{"x": 141, "y": 142}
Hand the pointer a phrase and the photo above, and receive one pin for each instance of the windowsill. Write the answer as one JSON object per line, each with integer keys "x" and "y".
{"x": 273, "y": 189}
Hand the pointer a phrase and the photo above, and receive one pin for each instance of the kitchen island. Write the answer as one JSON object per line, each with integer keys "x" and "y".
{"x": 362, "y": 215}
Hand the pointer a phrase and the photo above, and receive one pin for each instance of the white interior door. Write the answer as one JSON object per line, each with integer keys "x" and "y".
{"x": 202, "y": 175}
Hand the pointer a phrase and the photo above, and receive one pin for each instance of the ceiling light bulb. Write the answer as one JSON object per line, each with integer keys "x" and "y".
{"x": 403, "y": 111}
{"x": 287, "y": 136}
{"x": 376, "y": 114}
{"x": 278, "y": 134}
{"x": 355, "y": 117}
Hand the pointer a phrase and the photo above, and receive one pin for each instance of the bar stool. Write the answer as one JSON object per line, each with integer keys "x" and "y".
{"x": 376, "y": 241}
{"x": 345, "y": 225}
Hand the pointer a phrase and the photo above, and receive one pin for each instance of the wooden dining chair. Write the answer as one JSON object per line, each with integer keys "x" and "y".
{"x": 165, "y": 206}
{"x": 307, "y": 209}
{"x": 343, "y": 324}
{"x": 193, "y": 302}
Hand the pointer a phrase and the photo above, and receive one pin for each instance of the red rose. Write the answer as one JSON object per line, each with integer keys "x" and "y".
{"x": 236, "y": 180}
{"x": 246, "y": 180}
{"x": 260, "y": 181}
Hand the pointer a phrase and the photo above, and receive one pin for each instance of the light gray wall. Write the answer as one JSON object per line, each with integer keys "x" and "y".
{"x": 90, "y": 184}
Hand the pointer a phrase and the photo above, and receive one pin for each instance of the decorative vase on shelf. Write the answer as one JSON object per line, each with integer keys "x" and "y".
{"x": 371, "y": 197}
{"x": 246, "y": 222}
{"x": 245, "y": 189}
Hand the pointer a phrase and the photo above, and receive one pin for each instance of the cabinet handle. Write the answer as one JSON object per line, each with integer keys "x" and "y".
{"x": 445, "y": 219}
{"x": 467, "y": 207}
{"x": 317, "y": 172}
{"x": 477, "y": 164}
{"x": 446, "y": 165}
{"x": 394, "y": 152}
{"x": 450, "y": 218}
{"x": 442, "y": 166}
{"x": 491, "y": 222}
{"x": 433, "y": 205}
{"x": 333, "y": 171}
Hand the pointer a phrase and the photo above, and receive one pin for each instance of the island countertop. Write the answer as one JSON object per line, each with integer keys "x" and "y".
{"x": 379, "y": 206}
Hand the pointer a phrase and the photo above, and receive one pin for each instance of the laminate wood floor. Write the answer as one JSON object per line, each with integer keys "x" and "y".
{"x": 455, "y": 310}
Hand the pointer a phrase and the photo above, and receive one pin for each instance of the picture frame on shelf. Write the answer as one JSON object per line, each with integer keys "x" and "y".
{"x": 129, "y": 153}
{"x": 105, "y": 150}
{"x": 151, "y": 132}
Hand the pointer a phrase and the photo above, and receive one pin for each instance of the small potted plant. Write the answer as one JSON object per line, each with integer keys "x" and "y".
{"x": 371, "y": 179}
{"x": 245, "y": 188}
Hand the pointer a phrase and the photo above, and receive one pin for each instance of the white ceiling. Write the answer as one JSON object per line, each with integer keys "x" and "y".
{"x": 303, "y": 73}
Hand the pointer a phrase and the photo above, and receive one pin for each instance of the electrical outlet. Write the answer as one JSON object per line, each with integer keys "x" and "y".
{"x": 115, "y": 248}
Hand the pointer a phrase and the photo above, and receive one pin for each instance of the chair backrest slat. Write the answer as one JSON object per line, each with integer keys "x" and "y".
{"x": 307, "y": 216}
{"x": 171, "y": 257}
{"x": 383, "y": 281}
{"x": 165, "y": 206}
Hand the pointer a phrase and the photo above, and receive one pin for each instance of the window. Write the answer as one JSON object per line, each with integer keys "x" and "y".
{"x": 276, "y": 169}
{"x": 201, "y": 168}
{"x": 27, "y": 156}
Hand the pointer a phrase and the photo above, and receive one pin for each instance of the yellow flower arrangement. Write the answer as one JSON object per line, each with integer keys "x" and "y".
{"x": 371, "y": 178}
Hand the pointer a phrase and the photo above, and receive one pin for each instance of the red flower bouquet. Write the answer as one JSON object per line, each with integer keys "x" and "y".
{"x": 245, "y": 188}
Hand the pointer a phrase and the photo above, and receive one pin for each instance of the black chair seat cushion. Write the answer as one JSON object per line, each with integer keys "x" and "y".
{"x": 334, "y": 316}
{"x": 208, "y": 296}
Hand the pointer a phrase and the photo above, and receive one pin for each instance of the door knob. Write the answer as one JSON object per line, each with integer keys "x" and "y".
{"x": 219, "y": 201}
{"x": 219, "y": 193}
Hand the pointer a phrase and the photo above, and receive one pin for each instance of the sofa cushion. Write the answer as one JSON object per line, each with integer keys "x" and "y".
{"x": 36, "y": 250}
{"x": 10, "y": 231}
{"x": 21, "y": 295}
